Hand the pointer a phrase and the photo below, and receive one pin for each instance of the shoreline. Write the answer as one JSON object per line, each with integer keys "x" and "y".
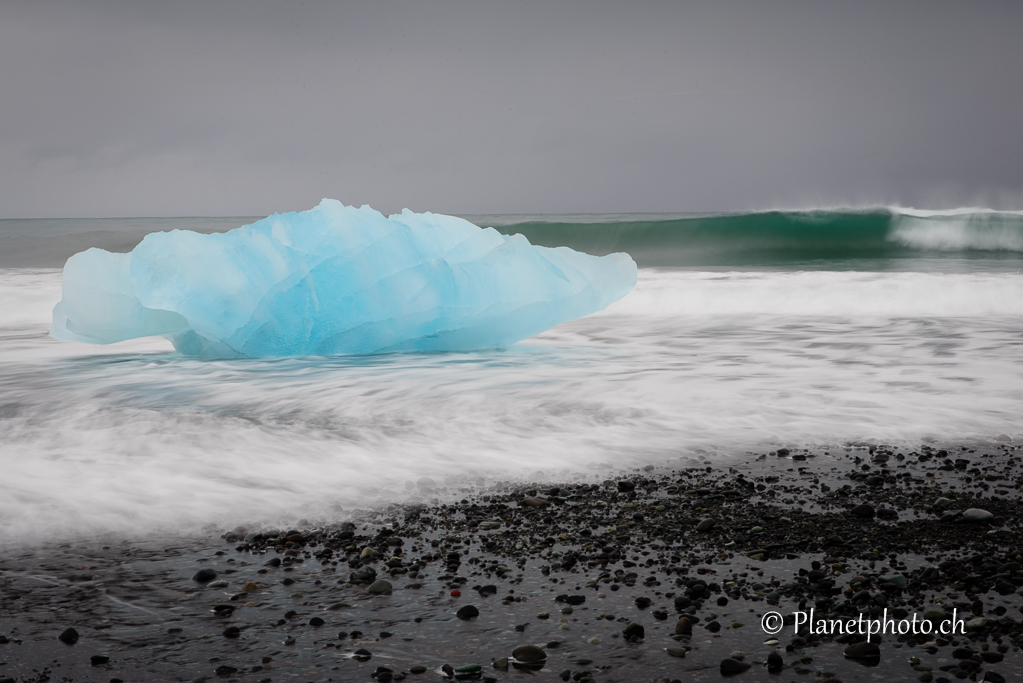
{"x": 606, "y": 562}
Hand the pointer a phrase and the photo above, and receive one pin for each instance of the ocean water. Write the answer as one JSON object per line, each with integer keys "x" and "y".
{"x": 745, "y": 332}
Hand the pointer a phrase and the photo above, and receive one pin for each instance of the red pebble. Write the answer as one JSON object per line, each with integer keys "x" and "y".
{"x": 456, "y": 594}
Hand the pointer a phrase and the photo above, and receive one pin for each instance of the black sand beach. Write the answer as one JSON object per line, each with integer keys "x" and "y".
{"x": 655, "y": 576}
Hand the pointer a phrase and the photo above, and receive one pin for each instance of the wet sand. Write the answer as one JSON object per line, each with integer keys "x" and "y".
{"x": 597, "y": 574}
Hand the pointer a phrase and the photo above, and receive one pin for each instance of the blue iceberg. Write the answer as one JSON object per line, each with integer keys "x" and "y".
{"x": 334, "y": 280}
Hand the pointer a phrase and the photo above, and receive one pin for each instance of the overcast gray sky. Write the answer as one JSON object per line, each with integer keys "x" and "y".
{"x": 245, "y": 108}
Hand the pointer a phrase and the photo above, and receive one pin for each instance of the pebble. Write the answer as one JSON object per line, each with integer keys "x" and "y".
{"x": 705, "y": 525}
{"x": 684, "y": 627}
{"x": 863, "y": 651}
{"x": 467, "y": 612}
{"x": 730, "y": 667}
{"x": 204, "y": 575}
{"x": 977, "y": 516}
{"x": 533, "y": 502}
{"x": 380, "y": 587}
{"x": 864, "y": 510}
{"x": 976, "y": 624}
{"x": 68, "y": 636}
{"x": 529, "y": 654}
{"x": 634, "y": 630}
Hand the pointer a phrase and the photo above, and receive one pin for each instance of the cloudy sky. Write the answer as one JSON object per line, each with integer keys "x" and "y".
{"x": 244, "y": 108}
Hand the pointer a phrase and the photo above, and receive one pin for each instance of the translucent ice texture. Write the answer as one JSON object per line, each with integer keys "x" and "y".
{"x": 334, "y": 280}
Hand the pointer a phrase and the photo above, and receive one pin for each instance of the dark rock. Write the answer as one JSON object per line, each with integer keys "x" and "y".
{"x": 99, "y": 659}
{"x": 467, "y": 612}
{"x": 705, "y": 525}
{"x": 713, "y": 627}
{"x": 977, "y": 516}
{"x": 363, "y": 575}
{"x": 232, "y": 632}
{"x": 993, "y": 677}
{"x": 529, "y": 654}
{"x": 225, "y": 670}
{"x": 204, "y": 575}
{"x": 684, "y": 627}
{"x": 69, "y": 636}
{"x": 626, "y": 486}
{"x": 730, "y": 667}
{"x": 380, "y": 587}
{"x": 634, "y": 630}
{"x": 417, "y": 669}
{"x": 316, "y": 621}
{"x": 775, "y": 662}
{"x": 575, "y": 599}
{"x": 864, "y": 510}
{"x": 681, "y": 602}
{"x": 362, "y": 654}
{"x": 863, "y": 651}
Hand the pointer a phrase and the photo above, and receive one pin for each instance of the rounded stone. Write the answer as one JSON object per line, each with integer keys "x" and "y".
{"x": 705, "y": 525}
{"x": 865, "y": 511}
{"x": 69, "y": 636}
{"x": 730, "y": 667}
{"x": 977, "y": 516}
{"x": 204, "y": 575}
{"x": 380, "y": 587}
{"x": 529, "y": 654}
{"x": 467, "y": 612}
{"x": 863, "y": 651}
{"x": 634, "y": 630}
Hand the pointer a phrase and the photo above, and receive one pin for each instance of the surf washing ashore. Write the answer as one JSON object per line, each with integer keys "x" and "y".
{"x": 887, "y": 335}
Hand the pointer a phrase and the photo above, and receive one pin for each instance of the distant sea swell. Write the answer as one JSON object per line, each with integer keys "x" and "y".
{"x": 779, "y": 237}
{"x": 856, "y": 239}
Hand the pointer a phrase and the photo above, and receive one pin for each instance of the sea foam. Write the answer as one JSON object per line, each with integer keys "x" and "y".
{"x": 334, "y": 280}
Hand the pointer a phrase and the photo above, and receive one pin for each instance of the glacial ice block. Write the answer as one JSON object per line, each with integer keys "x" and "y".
{"x": 334, "y": 280}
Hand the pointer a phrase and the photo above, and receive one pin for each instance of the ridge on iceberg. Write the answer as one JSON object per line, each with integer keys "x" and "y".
{"x": 334, "y": 280}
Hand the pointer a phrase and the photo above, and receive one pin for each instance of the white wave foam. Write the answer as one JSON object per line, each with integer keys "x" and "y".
{"x": 27, "y": 296}
{"x": 823, "y": 293}
{"x": 689, "y": 364}
{"x": 985, "y": 232}
{"x": 961, "y": 211}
